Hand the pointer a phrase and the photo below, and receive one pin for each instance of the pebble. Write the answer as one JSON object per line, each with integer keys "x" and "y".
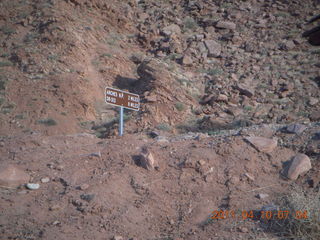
{"x": 45, "y": 180}
{"x": 117, "y": 238}
{"x": 262, "y": 195}
{"x": 33, "y": 186}
{"x": 84, "y": 186}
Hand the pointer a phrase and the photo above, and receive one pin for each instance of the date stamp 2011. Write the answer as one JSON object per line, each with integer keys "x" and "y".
{"x": 255, "y": 214}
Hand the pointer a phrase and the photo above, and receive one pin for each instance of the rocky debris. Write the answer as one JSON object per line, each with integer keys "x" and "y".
{"x": 226, "y": 25}
{"x": 299, "y": 164}
{"x": 249, "y": 176}
{"x": 33, "y": 186}
{"x": 214, "y": 48}
{"x": 146, "y": 159}
{"x": 315, "y": 115}
{"x": 296, "y": 128}
{"x": 11, "y": 176}
{"x": 265, "y": 145}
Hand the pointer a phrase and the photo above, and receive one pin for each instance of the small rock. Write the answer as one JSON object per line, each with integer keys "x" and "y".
{"x": 299, "y": 165}
{"x": 214, "y": 48}
{"x": 117, "y": 238}
{"x": 262, "y": 195}
{"x": 154, "y": 134}
{"x": 173, "y": 28}
{"x": 1, "y": 144}
{"x": 226, "y": 25}
{"x": 315, "y": 116}
{"x": 245, "y": 90}
{"x": 151, "y": 98}
{"x": 296, "y": 128}
{"x": 270, "y": 207}
{"x": 243, "y": 229}
{"x": 33, "y": 186}
{"x": 249, "y": 176}
{"x": 55, "y": 223}
{"x": 289, "y": 45}
{"x": 54, "y": 207}
{"x": 87, "y": 197}
{"x": 84, "y": 186}
{"x": 313, "y": 101}
{"x": 187, "y": 60}
{"x": 222, "y": 98}
{"x": 12, "y": 176}
{"x": 45, "y": 180}
{"x": 146, "y": 159}
{"x": 265, "y": 145}
{"x": 171, "y": 221}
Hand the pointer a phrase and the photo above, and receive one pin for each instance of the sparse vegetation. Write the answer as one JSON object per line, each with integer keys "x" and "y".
{"x": 7, "y": 30}
{"x": 5, "y": 64}
{"x": 47, "y": 122}
{"x": 303, "y": 221}
{"x": 163, "y": 127}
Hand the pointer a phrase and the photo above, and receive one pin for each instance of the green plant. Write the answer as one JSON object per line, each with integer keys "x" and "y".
{"x": 7, "y": 108}
{"x": 47, "y": 122}
{"x": 106, "y": 55}
{"x": 179, "y": 106}
{"x": 163, "y": 127}
{"x": 7, "y": 30}
{"x": 6, "y": 64}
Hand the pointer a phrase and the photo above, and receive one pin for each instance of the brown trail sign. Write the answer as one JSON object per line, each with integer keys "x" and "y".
{"x": 122, "y": 99}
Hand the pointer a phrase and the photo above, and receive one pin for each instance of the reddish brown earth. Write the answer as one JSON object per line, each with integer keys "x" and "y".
{"x": 197, "y": 109}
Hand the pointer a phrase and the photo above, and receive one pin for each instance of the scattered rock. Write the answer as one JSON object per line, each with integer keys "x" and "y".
{"x": 245, "y": 90}
{"x": 226, "y": 25}
{"x": 296, "y": 128}
{"x": 262, "y": 195}
{"x": 87, "y": 197}
{"x": 12, "y": 176}
{"x": 146, "y": 159}
{"x": 243, "y": 229}
{"x": 187, "y": 60}
{"x": 45, "y": 180}
{"x": 173, "y": 28}
{"x": 33, "y": 186}
{"x": 84, "y": 186}
{"x": 313, "y": 101}
{"x": 265, "y": 145}
{"x": 299, "y": 165}
{"x": 117, "y": 238}
{"x": 214, "y": 48}
{"x": 249, "y": 176}
{"x": 315, "y": 116}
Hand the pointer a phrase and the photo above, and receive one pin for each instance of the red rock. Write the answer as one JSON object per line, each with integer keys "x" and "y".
{"x": 12, "y": 176}
{"x": 299, "y": 165}
{"x": 266, "y": 145}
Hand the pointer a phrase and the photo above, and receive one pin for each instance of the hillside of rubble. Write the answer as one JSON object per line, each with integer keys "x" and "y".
{"x": 228, "y": 131}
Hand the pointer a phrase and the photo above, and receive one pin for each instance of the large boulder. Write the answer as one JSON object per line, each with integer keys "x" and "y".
{"x": 299, "y": 165}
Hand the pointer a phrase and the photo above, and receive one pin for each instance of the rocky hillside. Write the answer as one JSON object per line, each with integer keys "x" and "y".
{"x": 197, "y": 65}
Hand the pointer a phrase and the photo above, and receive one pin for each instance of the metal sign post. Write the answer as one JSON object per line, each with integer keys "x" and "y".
{"x": 122, "y": 99}
{"x": 121, "y": 122}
